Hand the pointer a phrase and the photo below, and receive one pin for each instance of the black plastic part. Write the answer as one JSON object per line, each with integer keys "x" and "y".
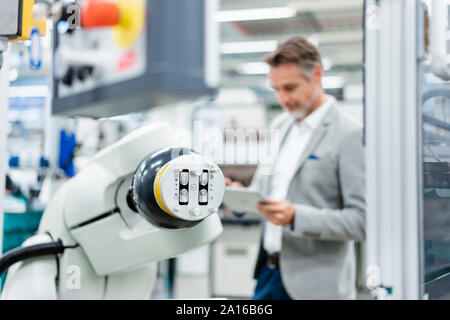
{"x": 142, "y": 189}
{"x": 20, "y": 254}
{"x": 130, "y": 201}
{"x": 69, "y": 11}
{"x": 68, "y": 77}
{"x": 84, "y": 72}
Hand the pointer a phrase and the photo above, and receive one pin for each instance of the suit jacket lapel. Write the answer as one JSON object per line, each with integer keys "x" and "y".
{"x": 316, "y": 137}
{"x": 312, "y": 145}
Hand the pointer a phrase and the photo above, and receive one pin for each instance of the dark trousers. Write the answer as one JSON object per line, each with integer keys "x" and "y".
{"x": 269, "y": 285}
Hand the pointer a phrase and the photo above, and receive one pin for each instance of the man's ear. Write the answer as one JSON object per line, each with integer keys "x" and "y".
{"x": 318, "y": 73}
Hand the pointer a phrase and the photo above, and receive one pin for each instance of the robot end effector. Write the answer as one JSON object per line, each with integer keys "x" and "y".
{"x": 176, "y": 188}
{"x": 166, "y": 207}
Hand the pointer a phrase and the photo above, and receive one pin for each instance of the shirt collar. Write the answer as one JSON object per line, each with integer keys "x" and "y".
{"x": 314, "y": 119}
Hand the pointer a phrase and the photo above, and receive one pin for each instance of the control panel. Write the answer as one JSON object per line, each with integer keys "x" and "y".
{"x": 121, "y": 56}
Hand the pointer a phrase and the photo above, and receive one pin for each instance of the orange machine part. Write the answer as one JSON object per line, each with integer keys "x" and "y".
{"x": 99, "y": 14}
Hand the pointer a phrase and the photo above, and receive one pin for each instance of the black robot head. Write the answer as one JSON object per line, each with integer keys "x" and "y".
{"x": 142, "y": 192}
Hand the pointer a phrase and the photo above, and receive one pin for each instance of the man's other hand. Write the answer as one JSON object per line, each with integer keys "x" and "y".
{"x": 278, "y": 212}
{"x": 230, "y": 183}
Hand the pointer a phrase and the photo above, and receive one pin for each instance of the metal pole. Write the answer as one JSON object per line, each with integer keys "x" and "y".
{"x": 393, "y": 142}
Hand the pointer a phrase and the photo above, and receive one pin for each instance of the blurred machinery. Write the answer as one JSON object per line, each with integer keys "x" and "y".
{"x": 144, "y": 199}
{"x": 137, "y": 202}
{"x": 19, "y": 21}
{"x": 113, "y": 58}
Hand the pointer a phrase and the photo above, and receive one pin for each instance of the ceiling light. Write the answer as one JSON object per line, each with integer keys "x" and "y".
{"x": 255, "y": 14}
{"x": 253, "y": 68}
{"x": 326, "y": 5}
{"x": 248, "y": 47}
{"x": 332, "y": 82}
{"x": 314, "y": 41}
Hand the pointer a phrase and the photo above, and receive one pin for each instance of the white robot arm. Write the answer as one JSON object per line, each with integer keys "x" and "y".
{"x": 142, "y": 200}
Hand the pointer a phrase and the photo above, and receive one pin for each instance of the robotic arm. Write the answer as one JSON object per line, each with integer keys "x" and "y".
{"x": 142, "y": 200}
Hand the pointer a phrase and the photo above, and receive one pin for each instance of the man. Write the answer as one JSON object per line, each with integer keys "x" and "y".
{"x": 315, "y": 209}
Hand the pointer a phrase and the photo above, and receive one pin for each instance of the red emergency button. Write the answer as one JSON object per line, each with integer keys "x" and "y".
{"x": 99, "y": 13}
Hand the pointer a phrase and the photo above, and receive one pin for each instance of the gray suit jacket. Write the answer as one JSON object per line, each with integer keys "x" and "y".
{"x": 317, "y": 260}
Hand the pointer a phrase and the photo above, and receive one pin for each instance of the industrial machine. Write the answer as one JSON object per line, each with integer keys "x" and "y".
{"x": 116, "y": 57}
{"x": 139, "y": 201}
{"x": 145, "y": 198}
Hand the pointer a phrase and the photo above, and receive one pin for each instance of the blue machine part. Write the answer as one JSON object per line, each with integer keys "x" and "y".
{"x": 14, "y": 162}
{"x": 67, "y": 148}
{"x": 43, "y": 162}
{"x": 35, "y": 50}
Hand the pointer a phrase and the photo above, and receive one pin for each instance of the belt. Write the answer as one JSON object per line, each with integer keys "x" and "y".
{"x": 273, "y": 260}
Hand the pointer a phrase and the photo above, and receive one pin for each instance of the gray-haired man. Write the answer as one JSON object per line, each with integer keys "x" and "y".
{"x": 316, "y": 206}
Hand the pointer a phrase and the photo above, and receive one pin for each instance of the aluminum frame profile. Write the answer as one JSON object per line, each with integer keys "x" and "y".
{"x": 393, "y": 146}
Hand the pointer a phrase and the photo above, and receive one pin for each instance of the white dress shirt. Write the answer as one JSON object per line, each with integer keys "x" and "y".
{"x": 296, "y": 140}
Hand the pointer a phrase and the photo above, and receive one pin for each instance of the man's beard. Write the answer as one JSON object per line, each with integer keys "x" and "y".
{"x": 302, "y": 111}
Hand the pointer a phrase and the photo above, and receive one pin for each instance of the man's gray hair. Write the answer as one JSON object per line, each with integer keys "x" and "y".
{"x": 296, "y": 50}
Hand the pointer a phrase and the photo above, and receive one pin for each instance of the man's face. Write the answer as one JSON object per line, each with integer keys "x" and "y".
{"x": 294, "y": 92}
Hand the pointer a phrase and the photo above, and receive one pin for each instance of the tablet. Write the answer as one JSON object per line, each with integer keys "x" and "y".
{"x": 242, "y": 199}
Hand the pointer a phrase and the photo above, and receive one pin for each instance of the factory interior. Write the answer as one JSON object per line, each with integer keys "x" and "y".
{"x": 111, "y": 110}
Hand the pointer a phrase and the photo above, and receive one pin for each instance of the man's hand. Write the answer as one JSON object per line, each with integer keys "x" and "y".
{"x": 278, "y": 212}
{"x": 230, "y": 183}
